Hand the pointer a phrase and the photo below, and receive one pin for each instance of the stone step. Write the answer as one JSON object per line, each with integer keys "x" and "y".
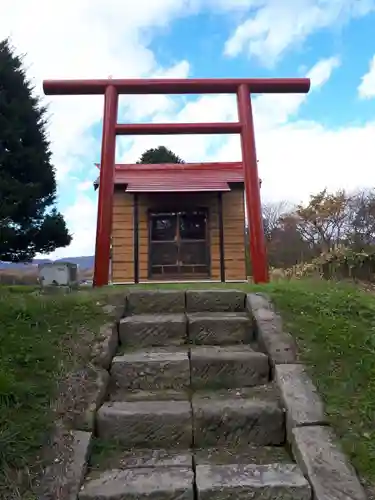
{"x": 222, "y": 482}
{"x": 265, "y": 472}
{"x": 146, "y": 424}
{"x": 157, "y": 483}
{"x": 226, "y": 328}
{"x": 267, "y": 392}
{"x": 116, "y": 394}
{"x": 111, "y": 455}
{"x": 231, "y": 422}
{"x": 242, "y": 481}
{"x": 227, "y": 367}
{"x": 177, "y": 301}
{"x": 215, "y": 301}
{"x": 148, "y": 330}
{"x": 243, "y": 454}
{"x": 155, "y": 302}
{"x": 151, "y": 369}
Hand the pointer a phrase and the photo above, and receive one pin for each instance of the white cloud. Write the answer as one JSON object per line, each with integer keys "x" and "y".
{"x": 306, "y": 158}
{"x": 322, "y": 71}
{"x": 366, "y": 89}
{"x": 230, "y": 5}
{"x": 301, "y": 158}
{"x": 193, "y": 148}
{"x": 137, "y": 107}
{"x": 275, "y": 26}
{"x": 84, "y": 186}
{"x": 273, "y": 109}
{"x": 81, "y": 220}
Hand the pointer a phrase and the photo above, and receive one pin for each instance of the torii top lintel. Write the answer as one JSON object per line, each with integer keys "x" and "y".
{"x": 178, "y": 86}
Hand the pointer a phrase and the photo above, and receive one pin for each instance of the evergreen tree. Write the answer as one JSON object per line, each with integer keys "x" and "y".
{"x": 29, "y": 221}
{"x": 159, "y": 155}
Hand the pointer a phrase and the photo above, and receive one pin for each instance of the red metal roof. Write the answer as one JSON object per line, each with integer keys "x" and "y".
{"x": 181, "y": 177}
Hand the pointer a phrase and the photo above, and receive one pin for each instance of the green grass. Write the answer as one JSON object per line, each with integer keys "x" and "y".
{"x": 39, "y": 343}
{"x": 335, "y": 330}
{"x": 18, "y": 288}
{"x": 103, "y": 453}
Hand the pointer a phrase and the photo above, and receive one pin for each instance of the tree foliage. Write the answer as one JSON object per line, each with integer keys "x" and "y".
{"x": 272, "y": 213}
{"x": 29, "y": 221}
{"x": 323, "y": 222}
{"x": 332, "y": 230}
{"x": 362, "y": 221}
{"x": 160, "y": 154}
{"x": 285, "y": 245}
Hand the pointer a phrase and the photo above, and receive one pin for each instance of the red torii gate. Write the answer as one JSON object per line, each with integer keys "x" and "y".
{"x": 242, "y": 87}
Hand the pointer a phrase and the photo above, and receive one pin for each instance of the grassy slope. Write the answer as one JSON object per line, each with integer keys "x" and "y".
{"x": 333, "y": 324}
{"x": 38, "y": 340}
{"x": 335, "y": 329}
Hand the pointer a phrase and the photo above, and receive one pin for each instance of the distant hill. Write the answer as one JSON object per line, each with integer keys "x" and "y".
{"x": 84, "y": 262}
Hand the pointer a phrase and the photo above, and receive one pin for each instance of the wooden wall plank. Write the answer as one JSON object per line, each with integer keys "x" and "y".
{"x": 122, "y": 237}
{"x": 234, "y": 234}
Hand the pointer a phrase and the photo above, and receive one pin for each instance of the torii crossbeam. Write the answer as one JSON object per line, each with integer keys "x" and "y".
{"x": 242, "y": 87}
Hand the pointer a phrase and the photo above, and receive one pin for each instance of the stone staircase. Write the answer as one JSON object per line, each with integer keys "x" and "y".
{"x": 192, "y": 411}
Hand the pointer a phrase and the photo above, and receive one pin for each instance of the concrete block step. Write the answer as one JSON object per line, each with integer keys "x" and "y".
{"x": 110, "y": 455}
{"x": 147, "y": 330}
{"x": 222, "y": 482}
{"x": 257, "y": 472}
{"x": 246, "y": 472}
{"x": 219, "y": 328}
{"x": 215, "y": 301}
{"x": 243, "y": 481}
{"x": 266, "y": 392}
{"x": 230, "y": 422}
{"x": 155, "y": 302}
{"x": 146, "y": 424}
{"x": 243, "y": 454}
{"x": 159, "y": 483}
{"x": 116, "y": 394}
{"x": 151, "y": 369}
{"x": 227, "y": 367}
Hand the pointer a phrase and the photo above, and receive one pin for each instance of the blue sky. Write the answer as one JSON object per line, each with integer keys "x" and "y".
{"x": 304, "y": 142}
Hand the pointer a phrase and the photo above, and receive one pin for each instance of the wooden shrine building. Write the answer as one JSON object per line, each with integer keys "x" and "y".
{"x": 178, "y": 222}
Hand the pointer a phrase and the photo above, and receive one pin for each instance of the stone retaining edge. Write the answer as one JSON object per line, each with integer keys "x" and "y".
{"x": 86, "y": 420}
{"x": 77, "y": 468}
{"x": 312, "y": 440}
{"x": 103, "y": 353}
{"x": 273, "y": 340}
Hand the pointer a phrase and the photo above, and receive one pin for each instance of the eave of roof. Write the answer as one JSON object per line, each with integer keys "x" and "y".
{"x": 180, "y": 177}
